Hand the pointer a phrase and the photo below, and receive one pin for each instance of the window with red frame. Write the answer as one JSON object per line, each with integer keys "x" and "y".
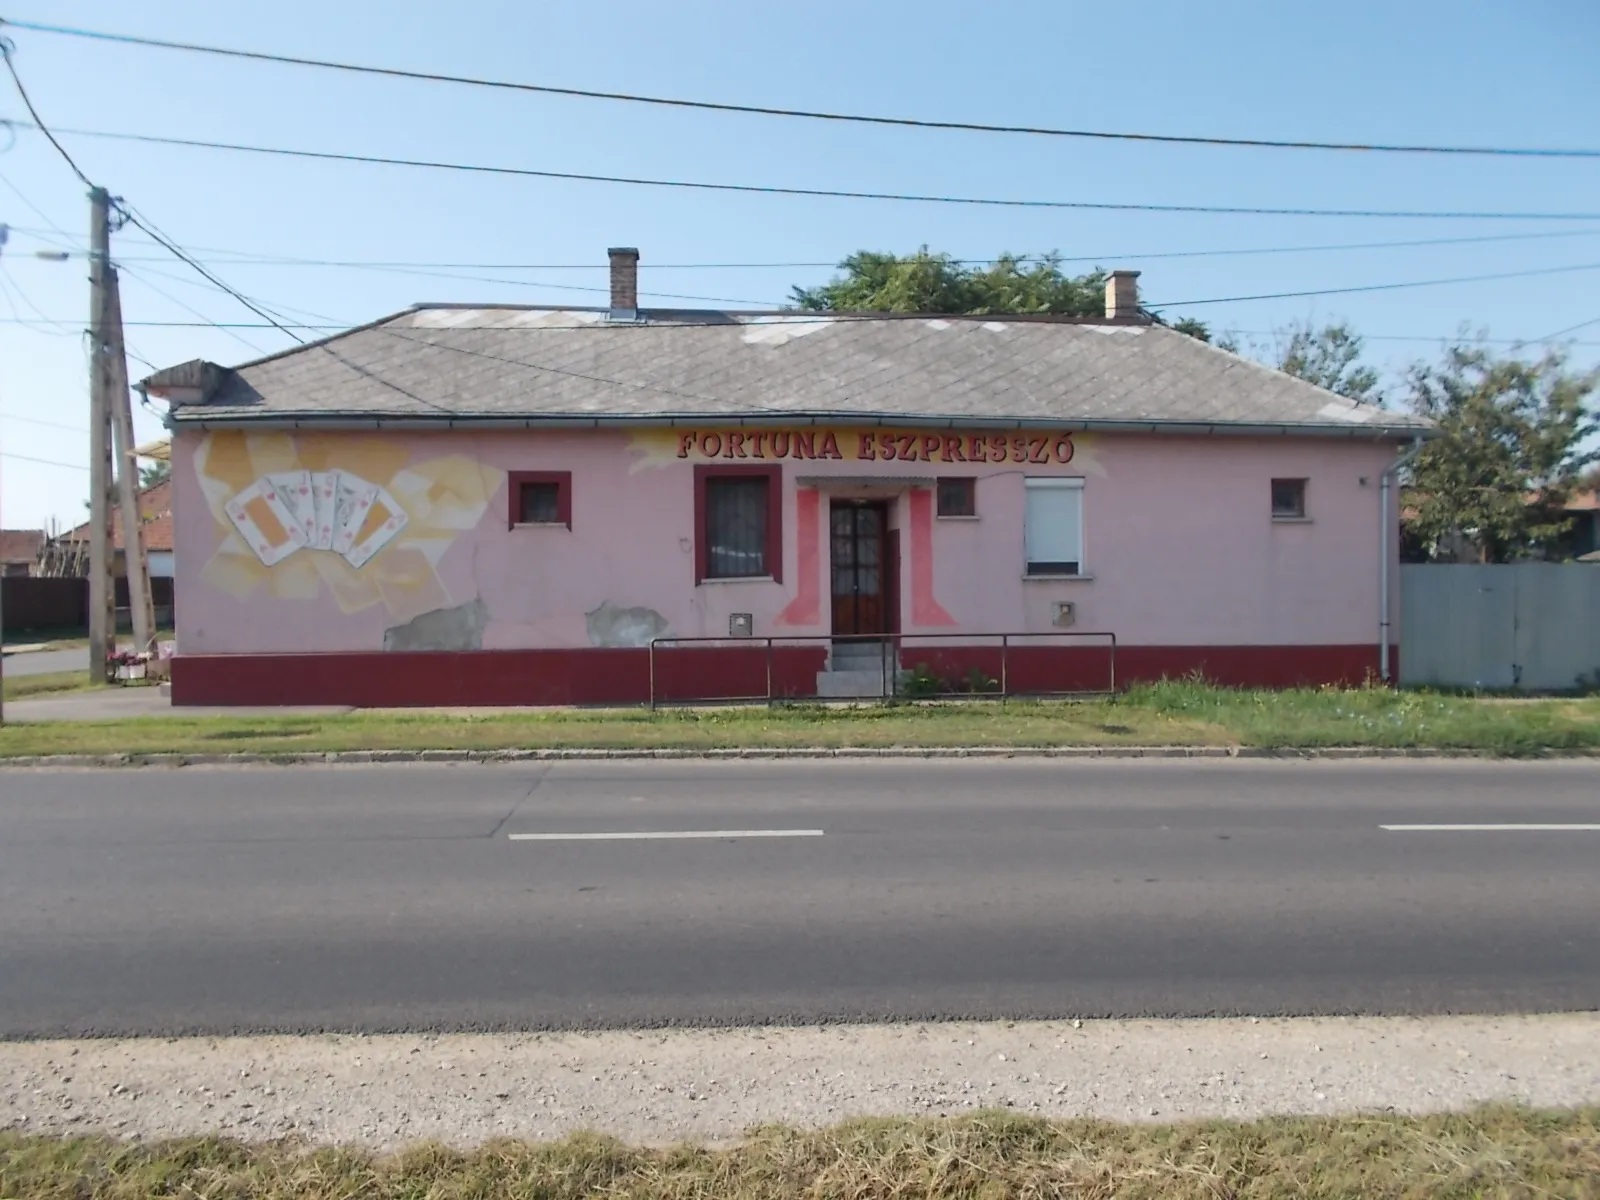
{"x": 738, "y": 523}
{"x": 540, "y": 498}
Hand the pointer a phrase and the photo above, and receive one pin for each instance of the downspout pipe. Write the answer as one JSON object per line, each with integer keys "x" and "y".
{"x": 1386, "y": 483}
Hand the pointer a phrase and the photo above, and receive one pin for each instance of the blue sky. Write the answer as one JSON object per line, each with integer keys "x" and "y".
{"x": 1424, "y": 71}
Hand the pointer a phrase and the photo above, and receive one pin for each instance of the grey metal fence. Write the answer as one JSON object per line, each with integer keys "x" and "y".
{"x": 995, "y": 666}
{"x": 1531, "y": 627}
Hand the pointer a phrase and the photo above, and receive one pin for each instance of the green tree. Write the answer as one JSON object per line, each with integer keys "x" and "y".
{"x": 1329, "y": 357}
{"x": 1194, "y": 328}
{"x": 936, "y": 283}
{"x": 157, "y": 472}
{"x": 1508, "y": 452}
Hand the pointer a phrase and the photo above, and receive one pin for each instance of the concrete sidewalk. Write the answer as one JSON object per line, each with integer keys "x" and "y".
{"x": 143, "y": 700}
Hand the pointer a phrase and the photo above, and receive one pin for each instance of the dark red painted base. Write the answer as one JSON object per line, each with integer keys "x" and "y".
{"x": 381, "y": 679}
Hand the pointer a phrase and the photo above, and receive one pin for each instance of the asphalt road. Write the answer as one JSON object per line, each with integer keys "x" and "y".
{"x": 397, "y": 898}
{"x": 46, "y": 662}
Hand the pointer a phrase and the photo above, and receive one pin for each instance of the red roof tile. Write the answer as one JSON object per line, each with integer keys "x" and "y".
{"x": 155, "y": 507}
{"x": 20, "y": 545}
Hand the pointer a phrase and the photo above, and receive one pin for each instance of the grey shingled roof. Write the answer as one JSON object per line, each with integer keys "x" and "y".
{"x": 535, "y": 366}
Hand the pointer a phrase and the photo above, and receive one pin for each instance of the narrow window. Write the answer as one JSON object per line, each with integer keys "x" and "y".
{"x": 540, "y": 498}
{"x": 736, "y": 526}
{"x": 958, "y": 496}
{"x": 1053, "y": 526}
{"x": 1288, "y": 499}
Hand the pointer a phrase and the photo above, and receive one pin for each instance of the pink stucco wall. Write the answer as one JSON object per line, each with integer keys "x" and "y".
{"x": 1179, "y": 543}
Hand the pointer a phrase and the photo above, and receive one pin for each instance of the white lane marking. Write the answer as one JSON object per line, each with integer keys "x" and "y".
{"x": 664, "y": 835}
{"x": 1490, "y": 828}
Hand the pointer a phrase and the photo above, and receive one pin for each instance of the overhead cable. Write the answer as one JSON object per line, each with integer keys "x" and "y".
{"x": 48, "y": 462}
{"x": 1376, "y": 287}
{"x": 831, "y": 193}
{"x": 806, "y": 114}
{"x": 1550, "y": 337}
{"x": 249, "y": 258}
{"x": 134, "y": 218}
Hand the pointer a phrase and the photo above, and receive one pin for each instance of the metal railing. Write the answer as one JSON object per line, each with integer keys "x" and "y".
{"x": 898, "y": 681}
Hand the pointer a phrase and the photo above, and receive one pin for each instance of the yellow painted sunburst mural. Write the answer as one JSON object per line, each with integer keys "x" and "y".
{"x": 351, "y": 514}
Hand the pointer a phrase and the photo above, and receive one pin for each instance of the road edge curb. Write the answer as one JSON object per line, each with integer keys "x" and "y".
{"x": 579, "y": 754}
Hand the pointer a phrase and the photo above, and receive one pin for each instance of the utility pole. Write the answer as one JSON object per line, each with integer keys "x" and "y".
{"x": 102, "y": 592}
{"x": 2, "y": 649}
{"x": 141, "y": 606}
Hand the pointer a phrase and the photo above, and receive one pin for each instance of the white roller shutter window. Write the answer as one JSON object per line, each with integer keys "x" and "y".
{"x": 1054, "y": 526}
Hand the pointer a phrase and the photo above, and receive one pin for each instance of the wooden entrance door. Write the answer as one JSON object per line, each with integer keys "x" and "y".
{"x": 858, "y": 537}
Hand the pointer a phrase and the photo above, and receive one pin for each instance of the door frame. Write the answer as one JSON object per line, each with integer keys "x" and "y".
{"x": 888, "y": 567}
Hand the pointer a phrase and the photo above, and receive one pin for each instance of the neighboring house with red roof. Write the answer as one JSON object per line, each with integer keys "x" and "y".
{"x": 19, "y": 551}
{"x": 1583, "y": 538}
{"x": 1580, "y": 542}
{"x": 155, "y": 513}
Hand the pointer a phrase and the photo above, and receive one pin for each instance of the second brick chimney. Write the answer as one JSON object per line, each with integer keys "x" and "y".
{"x": 624, "y": 283}
{"x": 1122, "y": 296}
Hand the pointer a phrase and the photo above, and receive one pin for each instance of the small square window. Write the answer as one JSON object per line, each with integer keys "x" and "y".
{"x": 541, "y": 498}
{"x": 1288, "y": 499}
{"x": 541, "y": 503}
{"x": 958, "y": 497}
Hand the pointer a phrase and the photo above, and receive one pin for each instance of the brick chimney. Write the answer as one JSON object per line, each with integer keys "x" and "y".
{"x": 1122, "y": 296}
{"x": 624, "y": 283}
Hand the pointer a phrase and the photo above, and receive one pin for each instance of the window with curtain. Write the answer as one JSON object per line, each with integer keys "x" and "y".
{"x": 1289, "y": 499}
{"x": 1053, "y": 530}
{"x": 736, "y": 526}
{"x": 541, "y": 503}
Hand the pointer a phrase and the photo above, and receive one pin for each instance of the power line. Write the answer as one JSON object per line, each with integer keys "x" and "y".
{"x": 77, "y": 243}
{"x": 1377, "y": 287}
{"x": 189, "y": 308}
{"x": 11, "y": 289}
{"x": 48, "y": 462}
{"x": 806, "y": 114}
{"x": 129, "y": 213}
{"x": 6, "y": 416}
{"x": 244, "y": 258}
{"x": 224, "y": 325}
{"x": 806, "y": 317}
{"x": 517, "y": 362}
{"x": 248, "y": 258}
{"x": 524, "y": 283}
{"x": 278, "y": 310}
{"x": 1418, "y": 337}
{"x": 149, "y": 228}
{"x": 6, "y": 50}
{"x": 1550, "y": 337}
{"x": 830, "y": 193}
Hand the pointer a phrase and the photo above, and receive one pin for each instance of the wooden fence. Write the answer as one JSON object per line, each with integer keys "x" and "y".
{"x": 34, "y": 604}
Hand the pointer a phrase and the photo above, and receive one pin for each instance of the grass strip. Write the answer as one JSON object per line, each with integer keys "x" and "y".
{"x": 21, "y": 687}
{"x": 1307, "y": 718}
{"x": 1497, "y": 1151}
{"x": 1167, "y": 714}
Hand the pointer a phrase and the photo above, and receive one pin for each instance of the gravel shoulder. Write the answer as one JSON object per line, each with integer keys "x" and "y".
{"x": 711, "y": 1086}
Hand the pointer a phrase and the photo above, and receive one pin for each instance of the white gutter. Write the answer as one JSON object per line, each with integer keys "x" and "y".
{"x": 1386, "y": 600}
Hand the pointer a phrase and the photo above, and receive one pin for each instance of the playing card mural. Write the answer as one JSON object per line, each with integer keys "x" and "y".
{"x": 352, "y": 515}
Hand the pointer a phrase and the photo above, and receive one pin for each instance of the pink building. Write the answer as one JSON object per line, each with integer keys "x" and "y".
{"x": 510, "y": 505}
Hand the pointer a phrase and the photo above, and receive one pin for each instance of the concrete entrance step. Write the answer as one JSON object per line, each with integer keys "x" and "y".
{"x": 854, "y": 656}
{"x": 872, "y": 681}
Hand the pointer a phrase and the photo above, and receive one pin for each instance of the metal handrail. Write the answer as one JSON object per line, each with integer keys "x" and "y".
{"x": 898, "y": 642}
